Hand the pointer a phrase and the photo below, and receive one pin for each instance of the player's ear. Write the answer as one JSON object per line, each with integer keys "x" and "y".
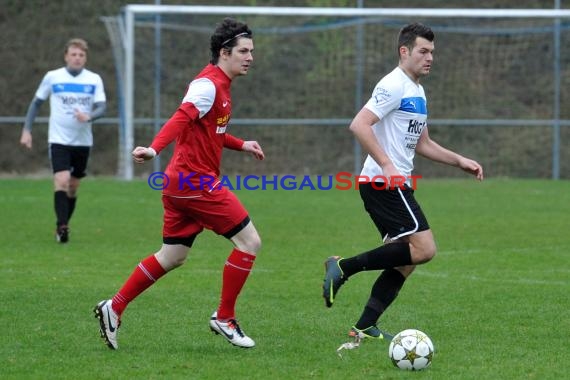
{"x": 225, "y": 52}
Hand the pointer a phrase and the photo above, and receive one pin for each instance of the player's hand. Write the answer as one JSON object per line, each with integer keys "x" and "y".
{"x": 26, "y": 139}
{"x": 81, "y": 116}
{"x": 254, "y": 148}
{"x": 142, "y": 154}
{"x": 472, "y": 167}
{"x": 392, "y": 174}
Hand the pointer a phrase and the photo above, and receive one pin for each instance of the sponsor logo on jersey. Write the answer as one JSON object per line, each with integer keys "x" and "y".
{"x": 74, "y": 88}
{"x": 381, "y": 95}
{"x": 222, "y": 123}
{"x": 414, "y": 131}
{"x": 414, "y": 105}
{"x": 75, "y": 100}
{"x": 415, "y": 127}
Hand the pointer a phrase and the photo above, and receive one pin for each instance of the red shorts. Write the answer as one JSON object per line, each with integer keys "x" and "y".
{"x": 218, "y": 210}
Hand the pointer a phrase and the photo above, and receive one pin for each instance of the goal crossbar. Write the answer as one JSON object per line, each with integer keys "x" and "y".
{"x": 132, "y": 10}
{"x": 346, "y": 12}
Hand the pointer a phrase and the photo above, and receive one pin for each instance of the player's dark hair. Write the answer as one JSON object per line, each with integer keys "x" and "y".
{"x": 410, "y": 32}
{"x": 226, "y": 36}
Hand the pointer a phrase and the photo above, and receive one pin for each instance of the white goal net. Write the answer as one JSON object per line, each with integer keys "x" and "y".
{"x": 494, "y": 92}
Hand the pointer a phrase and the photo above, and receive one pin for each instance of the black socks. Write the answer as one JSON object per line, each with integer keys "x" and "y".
{"x": 61, "y": 207}
{"x": 384, "y": 257}
{"x": 388, "y": 284}
{"x": 384, "y": 291}
{"x": 70, "y": 207}
{"x": 64, "y": 207}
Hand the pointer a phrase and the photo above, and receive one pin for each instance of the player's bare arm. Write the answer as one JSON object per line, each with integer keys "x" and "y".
{"x": 254, "y": 148}
{"x": 361, "y": 127}
{"x": 435, "y": 152}
{"x": 471, "y": 166}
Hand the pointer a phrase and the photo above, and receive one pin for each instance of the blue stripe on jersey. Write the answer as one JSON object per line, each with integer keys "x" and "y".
{"x": 414, "y": 105}
{"x": 73, "y": 87}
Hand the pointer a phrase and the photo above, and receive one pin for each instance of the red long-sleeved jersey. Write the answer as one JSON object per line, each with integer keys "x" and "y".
{"x": 199, "y": 127}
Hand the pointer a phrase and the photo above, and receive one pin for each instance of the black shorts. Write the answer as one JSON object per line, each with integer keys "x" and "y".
{"x": 72, "y": 158}
{"x": 394, "y": 212}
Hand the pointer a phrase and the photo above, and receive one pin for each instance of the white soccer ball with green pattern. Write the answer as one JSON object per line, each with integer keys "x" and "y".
{"x": 411, "y": 349}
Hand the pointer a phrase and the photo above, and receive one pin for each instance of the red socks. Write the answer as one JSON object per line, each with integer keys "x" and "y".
{"x": 145, "y": 274}
{"x": 236, "y": 270}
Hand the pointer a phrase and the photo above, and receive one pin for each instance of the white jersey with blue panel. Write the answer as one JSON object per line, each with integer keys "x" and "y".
{"x": 67, "y": 94}
{"x": 401, "y": 106}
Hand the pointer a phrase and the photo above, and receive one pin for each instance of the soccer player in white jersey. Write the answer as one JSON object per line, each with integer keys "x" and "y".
{"x": 77, "y": 97}
{"x": 392, "y": 128}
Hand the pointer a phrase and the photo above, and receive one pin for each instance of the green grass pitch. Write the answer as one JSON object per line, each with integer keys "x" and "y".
{"x": 495, "y": 299}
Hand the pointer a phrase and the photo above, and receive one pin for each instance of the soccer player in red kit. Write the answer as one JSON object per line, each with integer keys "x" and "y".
{"x": 193, "y": 198}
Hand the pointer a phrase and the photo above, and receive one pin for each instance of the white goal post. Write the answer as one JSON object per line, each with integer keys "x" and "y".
{"x": 131, "y": 12}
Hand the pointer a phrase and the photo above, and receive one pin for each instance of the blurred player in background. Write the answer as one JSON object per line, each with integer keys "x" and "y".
{"x": 77, "y": 97}
{"x": 194, "y": 198}
{"x": 392, "y": 127}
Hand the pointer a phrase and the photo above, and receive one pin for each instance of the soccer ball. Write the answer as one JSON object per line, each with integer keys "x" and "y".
{"x": 411, "y": 349}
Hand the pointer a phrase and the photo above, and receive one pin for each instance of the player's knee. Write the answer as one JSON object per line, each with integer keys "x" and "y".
{"x": 431, "y": 253}
{"x": 428, "y": 253}
{"x": 171, "y": 259}
{"x": 176, "y": 262}
{"x": 72, "y": 189}
{"x": 247, "y": 240}
{"x": 61, "y": 180}
{"x": 251, "y": 245}
{"x": 423, "y": 254}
